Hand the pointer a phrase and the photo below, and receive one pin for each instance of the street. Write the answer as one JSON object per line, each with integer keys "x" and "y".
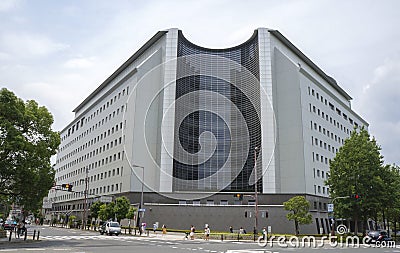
{"x": 55, "y": 240}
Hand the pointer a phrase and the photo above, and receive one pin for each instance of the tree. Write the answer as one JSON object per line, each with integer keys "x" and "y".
{"x": 357, "y": 169}
{"x": 390, "y": 208}
{"x": 131, "y": 213}
{"x": 299, "y": 211}
{"x": 95, "y": 209}
{"x": 27, "y": 143}
{"x": 106, "y": 211}
{"x": 121, "y": 207}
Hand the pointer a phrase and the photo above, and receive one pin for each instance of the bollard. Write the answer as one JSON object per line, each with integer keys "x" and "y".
{"x": 135, "y": 231}
{"x": 9, "y": 239}
{"x": 147, "y": 232}
{"x": 238, "y": 237}
{"x": 222, "y": 237}
{"x": 38, "y": 233}
{"x": 26, "y": 233}
{"x": 34, "y": 234}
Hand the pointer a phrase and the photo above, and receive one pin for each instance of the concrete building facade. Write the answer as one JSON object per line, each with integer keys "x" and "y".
{"x": 200, "y": 125}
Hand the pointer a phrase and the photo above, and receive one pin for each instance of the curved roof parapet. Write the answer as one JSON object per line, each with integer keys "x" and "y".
{"x": 255, "y": 33}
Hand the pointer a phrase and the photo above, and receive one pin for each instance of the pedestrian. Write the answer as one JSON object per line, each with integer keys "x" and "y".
{"x": 143, "y": 227}
{"x": 19, "y": 229}
{"x": 207, "y": 233}
{"x": 241, "y": 230}
{"x": 264, "y": 233}
{"x": 230, "y": 229}
{"x": 192, "y": 230}
{"x": 155, "y": 227}
{"x": 164, "y": 229}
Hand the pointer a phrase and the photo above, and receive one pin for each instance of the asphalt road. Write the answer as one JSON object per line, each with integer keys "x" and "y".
{"x": 56, "y": 240}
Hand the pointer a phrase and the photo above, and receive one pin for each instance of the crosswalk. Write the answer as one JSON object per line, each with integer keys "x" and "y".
{"x": 89, "y": 237}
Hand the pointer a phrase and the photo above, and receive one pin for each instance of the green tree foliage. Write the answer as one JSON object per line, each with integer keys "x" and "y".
{"x": 357, "y": 169}
{"x": 26, "y": 144}
{"x": 121, "y": 207}
{"x": 106, "y": 211}
{"x": 95, "y": 209}
{"x": 131, "y": 213}
{"x": 299, "y": 211}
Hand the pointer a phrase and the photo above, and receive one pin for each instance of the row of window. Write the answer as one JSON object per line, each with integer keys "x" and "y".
{"x": 99, "y": 176}
{"x": 331, "y": 106}
{"x": 324, "y": 145}
{"x": 102, "y": 108}
{"x": 113, "y": 188}
{"x": 100, "y": 137}
{"x": 320, "y": 174}
{"x": 104, "y": 161}
{"x": 320, "y": 158}
{"x": 329, "y": 119}
{"x": 94, "y": 127}
{"x": 321, "y": 190}
{"x": 320, "y": 206}
{"x": 326, "y": 132}
{"x": 211, "y": 202}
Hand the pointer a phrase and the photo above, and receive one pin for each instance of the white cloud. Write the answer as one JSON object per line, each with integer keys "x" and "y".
{"x": 6, "y": 5}
{"x": 379, "y": 103}
{"x": 26, "y": 45}
{"x": 78, "y": 63}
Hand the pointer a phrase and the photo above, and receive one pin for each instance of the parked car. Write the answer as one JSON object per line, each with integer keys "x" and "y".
{"x": 378, "y": 236}
{"x": 110, "y": 227}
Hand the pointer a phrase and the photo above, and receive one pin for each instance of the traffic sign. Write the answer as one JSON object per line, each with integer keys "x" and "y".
{"x": 105, "y": 199}
{"x": 330, "y": 208}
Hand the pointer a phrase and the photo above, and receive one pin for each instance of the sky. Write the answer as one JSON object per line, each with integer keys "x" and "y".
{"x": 58, "y": 52}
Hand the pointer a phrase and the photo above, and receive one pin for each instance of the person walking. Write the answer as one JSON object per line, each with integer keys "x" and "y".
{"x": 207, "y": 233}
{"x": 230, "y": 229}
{"x": 192, "y": 230}
{"x": 164, "y": 229}
{"x": 264, "y": 233}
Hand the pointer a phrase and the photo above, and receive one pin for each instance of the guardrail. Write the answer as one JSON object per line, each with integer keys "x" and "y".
{"x": 25, "y": 233}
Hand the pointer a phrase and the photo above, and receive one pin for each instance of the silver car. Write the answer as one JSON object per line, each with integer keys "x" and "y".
{"x": 112, "y": 227}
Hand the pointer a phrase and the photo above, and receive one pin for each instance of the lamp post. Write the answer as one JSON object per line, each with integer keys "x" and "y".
{"x": 255, "y": 190}
{"x": 141, "y": 194}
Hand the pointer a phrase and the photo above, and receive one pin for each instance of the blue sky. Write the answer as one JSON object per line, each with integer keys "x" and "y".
{"x": 58, "y": 52}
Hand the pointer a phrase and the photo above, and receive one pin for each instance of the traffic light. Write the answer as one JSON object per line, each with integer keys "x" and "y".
{"x": 356, "y": 197}
{"x": 67, "y": 186}
{"x": 239, "y": 196}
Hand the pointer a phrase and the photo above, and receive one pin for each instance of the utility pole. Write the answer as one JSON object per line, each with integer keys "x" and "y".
{"x": 141, "y": 194}
{"x": 85, "y": 198}
{"x": 255, "y": 190}
{"x": 334, "y": 219}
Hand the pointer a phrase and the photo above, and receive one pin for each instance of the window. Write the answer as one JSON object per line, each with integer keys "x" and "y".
{"x": 223, "y": 202}
{"x": 196, "y": 202}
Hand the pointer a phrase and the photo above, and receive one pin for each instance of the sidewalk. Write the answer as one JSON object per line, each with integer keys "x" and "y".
{"x": 5, "y": 241}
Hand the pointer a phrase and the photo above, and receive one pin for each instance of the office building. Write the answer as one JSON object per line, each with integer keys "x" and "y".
{"x": 201, "y": 125}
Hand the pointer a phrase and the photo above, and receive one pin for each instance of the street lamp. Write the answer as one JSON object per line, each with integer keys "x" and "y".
{"x": 141, "y": 194}
{"x": 255, "y": 189}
